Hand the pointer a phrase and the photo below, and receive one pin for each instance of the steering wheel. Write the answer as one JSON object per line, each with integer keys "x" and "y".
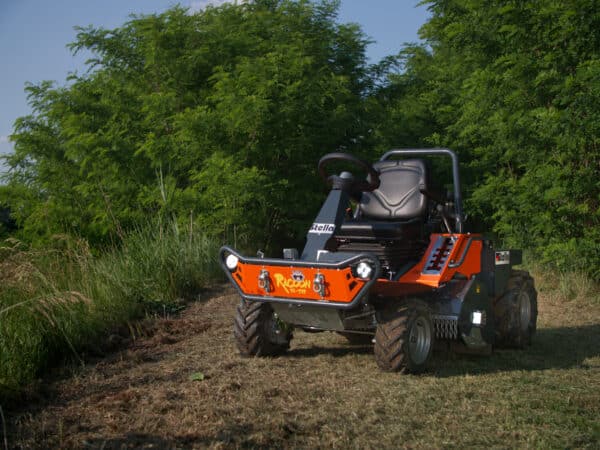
{"x": 349, "y": 184}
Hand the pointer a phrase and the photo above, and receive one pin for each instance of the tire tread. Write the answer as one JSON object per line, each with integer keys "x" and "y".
{"x": 249, "y": 330}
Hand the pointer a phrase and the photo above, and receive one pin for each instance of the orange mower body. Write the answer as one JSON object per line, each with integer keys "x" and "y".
{"x": 399, "y": 272}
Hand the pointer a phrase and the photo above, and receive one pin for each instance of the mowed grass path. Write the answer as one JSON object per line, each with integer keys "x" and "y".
{"x": 324, "y": 393}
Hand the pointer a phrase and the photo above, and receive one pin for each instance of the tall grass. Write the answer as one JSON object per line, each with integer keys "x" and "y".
{"x": 56, "y": 302}
{"x": 566, "y": 285}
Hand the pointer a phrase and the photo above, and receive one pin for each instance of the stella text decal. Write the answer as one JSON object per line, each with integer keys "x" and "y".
{"x": 322, "y": 228}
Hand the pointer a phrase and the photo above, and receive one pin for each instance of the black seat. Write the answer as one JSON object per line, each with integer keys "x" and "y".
{"x": 390, "y": 220}
{"x": 397, "y": 208}
{"x": 399, "y": 195}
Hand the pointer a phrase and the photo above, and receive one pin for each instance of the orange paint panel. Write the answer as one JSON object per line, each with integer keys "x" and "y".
{"x": 340, "y": 285}
{"x": 471, "y": 261}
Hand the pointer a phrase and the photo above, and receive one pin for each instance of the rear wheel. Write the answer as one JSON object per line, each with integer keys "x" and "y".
{"x": 516, "y": 312}
{"x": 404, "y": 338}
{"x": 258, "y": 332}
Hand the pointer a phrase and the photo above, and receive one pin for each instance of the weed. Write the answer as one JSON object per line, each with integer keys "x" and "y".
{"x": 56, "y": 302}
{"x": 564, "y": 286}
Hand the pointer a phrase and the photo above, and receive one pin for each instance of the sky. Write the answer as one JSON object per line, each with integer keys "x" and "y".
{"x": 34, "y": 35}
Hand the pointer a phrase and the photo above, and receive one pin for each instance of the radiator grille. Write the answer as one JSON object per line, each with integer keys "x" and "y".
{"x": 445, "y": 327}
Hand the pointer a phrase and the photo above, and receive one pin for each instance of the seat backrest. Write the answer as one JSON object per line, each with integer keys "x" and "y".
{"x": 398, "y": 196}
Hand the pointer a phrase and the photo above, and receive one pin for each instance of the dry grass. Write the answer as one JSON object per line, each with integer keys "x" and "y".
{"x": 324, "y": 393}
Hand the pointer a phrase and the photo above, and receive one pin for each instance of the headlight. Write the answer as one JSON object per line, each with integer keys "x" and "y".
{"x": 478, "y": 318}
{"x": 364, "y": 270}
{"x": 232, "y": 261}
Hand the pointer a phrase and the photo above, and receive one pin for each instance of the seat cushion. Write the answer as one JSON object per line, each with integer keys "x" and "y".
{"x": 399, "y": 196}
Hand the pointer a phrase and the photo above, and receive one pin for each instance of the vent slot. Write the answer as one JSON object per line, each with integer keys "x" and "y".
{"x": 439, "y": 256}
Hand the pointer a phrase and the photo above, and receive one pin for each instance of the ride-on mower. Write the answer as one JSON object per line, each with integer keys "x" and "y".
{"x": 387, "y": 260}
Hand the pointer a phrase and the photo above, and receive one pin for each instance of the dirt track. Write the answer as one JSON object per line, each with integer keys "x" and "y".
{"x": 324, "y": 393}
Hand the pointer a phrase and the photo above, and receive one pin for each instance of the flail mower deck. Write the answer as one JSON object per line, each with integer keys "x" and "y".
{"x": 398, "y": 270}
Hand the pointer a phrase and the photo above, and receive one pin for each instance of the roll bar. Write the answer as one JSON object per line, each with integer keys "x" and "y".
{"x": 455, "y": 174}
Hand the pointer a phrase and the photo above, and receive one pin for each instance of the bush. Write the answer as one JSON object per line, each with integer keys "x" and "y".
{"x": 57, "y": 302}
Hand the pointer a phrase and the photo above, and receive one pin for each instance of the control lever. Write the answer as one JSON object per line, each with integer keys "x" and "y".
{"x": 440, "y": 208}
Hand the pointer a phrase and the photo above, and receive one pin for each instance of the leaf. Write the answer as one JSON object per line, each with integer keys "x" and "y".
{"x": 196, "y": 376}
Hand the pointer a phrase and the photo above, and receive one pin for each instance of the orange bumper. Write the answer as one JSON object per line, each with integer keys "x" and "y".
{"x": 332, "y": 284}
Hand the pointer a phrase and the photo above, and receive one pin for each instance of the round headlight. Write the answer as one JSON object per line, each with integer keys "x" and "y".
{"x": 364, "y": 270}
{"x": 231, "y": 262}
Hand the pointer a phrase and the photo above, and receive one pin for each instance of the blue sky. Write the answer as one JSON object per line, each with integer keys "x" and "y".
{"x": 34, "y": 35}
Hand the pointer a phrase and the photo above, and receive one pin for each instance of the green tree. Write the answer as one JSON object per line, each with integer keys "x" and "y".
{"x": 184, "y": 113}
{"x": 514, "y": 87}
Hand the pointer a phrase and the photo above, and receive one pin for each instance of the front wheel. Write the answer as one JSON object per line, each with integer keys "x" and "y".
{"x": 516, "y": 312}
{"x": 404, "y": 338}
{"x": 258, "y": 332}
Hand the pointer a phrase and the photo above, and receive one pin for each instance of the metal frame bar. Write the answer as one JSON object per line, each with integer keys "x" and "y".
{"x": 454, "y": 265}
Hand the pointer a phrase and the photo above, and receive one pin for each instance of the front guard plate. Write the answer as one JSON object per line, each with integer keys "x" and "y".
{"x": 292, "y": 281}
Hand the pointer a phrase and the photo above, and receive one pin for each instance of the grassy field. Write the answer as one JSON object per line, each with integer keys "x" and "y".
{"x": 61, "y": 302}
{"x": 181, "y": 384}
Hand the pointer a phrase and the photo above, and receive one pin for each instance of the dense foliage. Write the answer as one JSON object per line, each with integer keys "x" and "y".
{"x": 221, "y": 116}
{"x": 514, "y": 87}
